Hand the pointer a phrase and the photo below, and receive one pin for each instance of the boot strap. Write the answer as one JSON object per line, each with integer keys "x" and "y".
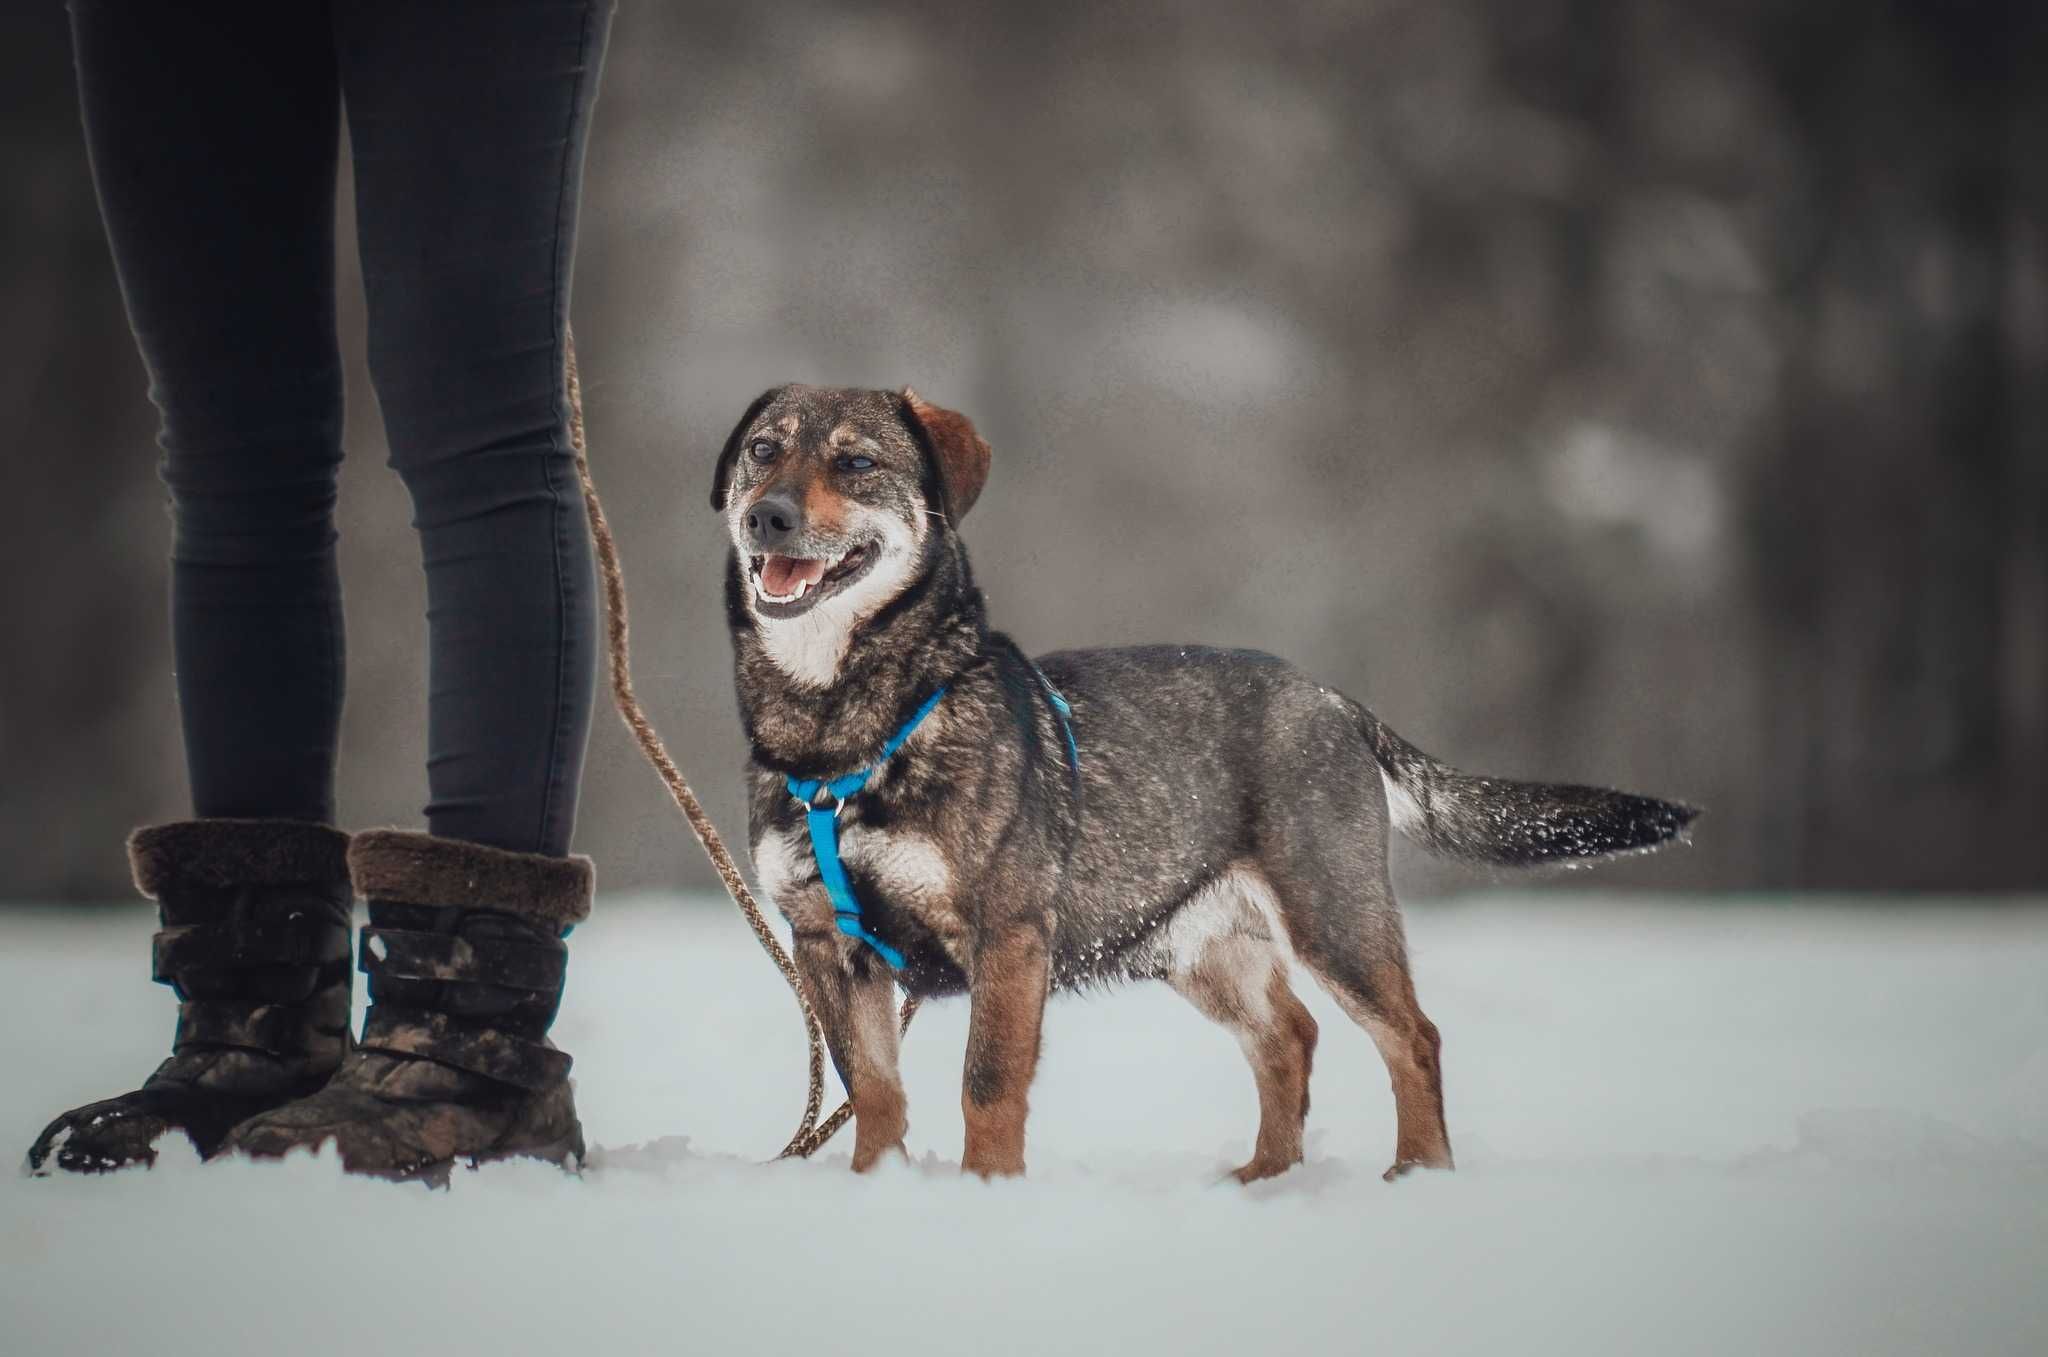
{"x": 278, "y": 1029}
{"x": 403, "y": 954}
{"x": 488, "y": 1051}
{"x": 300, "y": 939}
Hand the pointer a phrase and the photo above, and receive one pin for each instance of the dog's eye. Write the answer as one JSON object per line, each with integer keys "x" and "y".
{"x": 762, "y": 450}
{"x": 856, "y": 464}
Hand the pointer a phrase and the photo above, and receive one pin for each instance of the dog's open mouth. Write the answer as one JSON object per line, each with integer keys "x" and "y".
{"x": 787, "y": 585}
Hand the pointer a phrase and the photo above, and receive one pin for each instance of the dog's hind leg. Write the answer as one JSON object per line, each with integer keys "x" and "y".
{"x": 1408, "y": 1042}
{"x": 1354, "y": 948}
{"x": 1321, "y": 844}
{"x": 1379, "y": 996}
{"x": 1240, "y": 981}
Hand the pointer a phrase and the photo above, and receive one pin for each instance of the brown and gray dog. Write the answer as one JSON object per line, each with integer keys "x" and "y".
{"x": 1217, "y": 812}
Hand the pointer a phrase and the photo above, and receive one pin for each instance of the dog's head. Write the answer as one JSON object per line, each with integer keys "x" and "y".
{"x": 833, "y": 496}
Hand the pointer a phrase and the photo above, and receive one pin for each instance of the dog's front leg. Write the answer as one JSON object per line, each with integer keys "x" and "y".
{"x": 1008, "y": 983}
{"x": 852, "y": 994}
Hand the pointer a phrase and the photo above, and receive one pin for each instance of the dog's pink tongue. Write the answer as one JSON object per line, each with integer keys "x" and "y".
{"x": 782, "y": 574}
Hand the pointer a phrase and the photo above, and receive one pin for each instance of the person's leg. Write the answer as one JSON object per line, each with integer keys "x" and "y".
{"x": 468, "y": 123}
{"x": 212, "y": 131}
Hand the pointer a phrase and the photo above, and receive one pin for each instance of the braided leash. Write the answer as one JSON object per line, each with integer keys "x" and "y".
{"x": 811, "y": 1134}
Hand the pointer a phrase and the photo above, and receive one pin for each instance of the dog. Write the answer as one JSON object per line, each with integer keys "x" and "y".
{"x": 932, "y": 808}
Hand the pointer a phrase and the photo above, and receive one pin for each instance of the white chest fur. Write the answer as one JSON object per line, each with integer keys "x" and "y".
{"x": 906, "y": 867}
{"x": 809, "y": 648}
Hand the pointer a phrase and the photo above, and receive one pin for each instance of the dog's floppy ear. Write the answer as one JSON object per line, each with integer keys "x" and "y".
{"x": 722, "y": 477}
{"x": 959, "y": 454}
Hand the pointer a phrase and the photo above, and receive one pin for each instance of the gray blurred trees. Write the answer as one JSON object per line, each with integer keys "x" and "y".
{"x": 1649, "y": 393}
{"x": 1905, "y": 524}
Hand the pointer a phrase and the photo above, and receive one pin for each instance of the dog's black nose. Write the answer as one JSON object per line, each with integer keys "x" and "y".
{"x": 772, "y": 521}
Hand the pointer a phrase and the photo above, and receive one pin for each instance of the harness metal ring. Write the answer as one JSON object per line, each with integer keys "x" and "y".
{"x": 810, "y": 804}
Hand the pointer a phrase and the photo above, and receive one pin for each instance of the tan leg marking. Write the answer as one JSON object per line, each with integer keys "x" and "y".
{"x": 1009, "y": 981}
{"x": 1226, "y": 952}
{"x": 1409, "y": 1044}
{"x": 1241, "y": 983}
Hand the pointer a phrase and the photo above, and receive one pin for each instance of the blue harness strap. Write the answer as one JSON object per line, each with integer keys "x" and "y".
{"x": 823, "y": 822}
{"x": 824, "y": 825}
{"x": 1066, "y": 715}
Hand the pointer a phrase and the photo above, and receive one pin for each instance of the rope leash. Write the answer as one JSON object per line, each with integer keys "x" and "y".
{"x": 811, "y": 1134}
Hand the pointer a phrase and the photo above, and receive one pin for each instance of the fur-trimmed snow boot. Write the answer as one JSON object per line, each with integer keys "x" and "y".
{"x": 254, "y": 938}
{"x": 466, "y": 962}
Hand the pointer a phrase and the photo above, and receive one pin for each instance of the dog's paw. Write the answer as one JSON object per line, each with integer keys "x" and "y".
{"x": 867, "y": 1157}
{"x": 1403, "y": 1167}
{"x": 1262, "y": 1167}
{"x": 986, "y": 1166}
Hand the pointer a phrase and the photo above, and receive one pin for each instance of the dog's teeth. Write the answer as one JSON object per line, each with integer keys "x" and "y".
{"x": 802, "y": 587}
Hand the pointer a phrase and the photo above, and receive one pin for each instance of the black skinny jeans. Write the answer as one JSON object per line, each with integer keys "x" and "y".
{"x": 213, "y": 129}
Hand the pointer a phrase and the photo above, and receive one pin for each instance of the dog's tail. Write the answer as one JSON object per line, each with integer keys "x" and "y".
{"x": 1513, "y": 824}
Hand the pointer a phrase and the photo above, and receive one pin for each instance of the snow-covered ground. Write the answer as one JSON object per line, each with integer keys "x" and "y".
{"x": 1682, "y": 1127}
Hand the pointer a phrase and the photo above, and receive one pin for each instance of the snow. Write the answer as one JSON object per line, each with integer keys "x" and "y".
{"x": 1682, "y": 1127}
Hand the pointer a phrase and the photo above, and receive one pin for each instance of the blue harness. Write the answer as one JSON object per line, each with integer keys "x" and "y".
{"x": 823, "y": 821}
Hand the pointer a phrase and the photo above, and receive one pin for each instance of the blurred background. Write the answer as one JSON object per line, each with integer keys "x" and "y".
{"x": 1645, "y": 393}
